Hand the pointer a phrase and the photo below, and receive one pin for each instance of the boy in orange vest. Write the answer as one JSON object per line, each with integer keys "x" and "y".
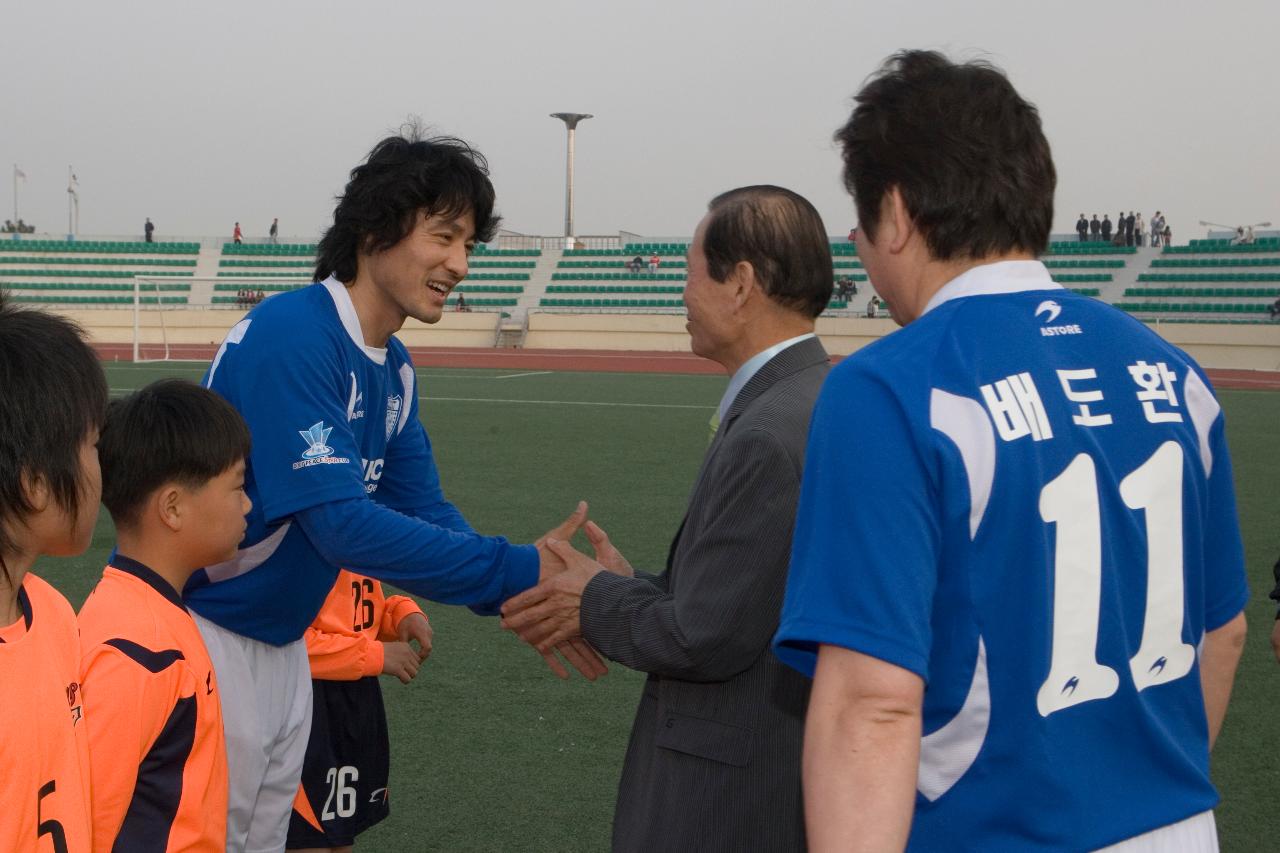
{"x": 173, "y": 462}
{"x": 54, "y": 396}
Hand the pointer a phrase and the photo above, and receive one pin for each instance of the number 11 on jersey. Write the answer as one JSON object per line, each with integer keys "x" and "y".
{"x": 1070, "y": 501}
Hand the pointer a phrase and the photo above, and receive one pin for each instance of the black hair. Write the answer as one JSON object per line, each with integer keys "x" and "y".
{"x": 53, "y": 395}
{"x": 965, "y": 150}
{"x": 171, "y": 431}
{"x": 781, "y": 235}
{"x": 405, "y": 174}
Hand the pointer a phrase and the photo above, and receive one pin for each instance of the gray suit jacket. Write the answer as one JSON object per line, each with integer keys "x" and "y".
{"x": 714, "y": 757}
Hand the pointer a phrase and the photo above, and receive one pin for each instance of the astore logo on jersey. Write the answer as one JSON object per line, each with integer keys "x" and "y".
{"x": 1052, "y": 309}
{"x": 355, "y": 406}
{"x": 1049, "y": 307}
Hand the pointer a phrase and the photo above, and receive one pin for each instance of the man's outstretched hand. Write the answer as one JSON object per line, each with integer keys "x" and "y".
{"x": 549, "y": 614}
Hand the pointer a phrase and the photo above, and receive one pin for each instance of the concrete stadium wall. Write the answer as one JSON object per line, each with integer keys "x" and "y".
{"x": 194, "y": 326}
{"x": 1223, "y": 346}
{"x": 1246, "y": 347}
{"x": 1252, "y": 347}
{"x": 666, "y": 332}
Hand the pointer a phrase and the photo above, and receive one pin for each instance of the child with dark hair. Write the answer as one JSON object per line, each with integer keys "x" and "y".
{"x": 54, "y": 396}
{"x": 173, "y": 460}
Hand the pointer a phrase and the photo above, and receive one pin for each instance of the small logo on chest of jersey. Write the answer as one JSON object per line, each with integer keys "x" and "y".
{"x": 378, "y": 796}
{"x": 394, "y": 405}
{"x": 1159, "y": 665}
{"x": 1052, "y": 309}
{"x": 77, "y": 711}
{"x": 1072, "y": 683}
{"x": 355, "y": 405}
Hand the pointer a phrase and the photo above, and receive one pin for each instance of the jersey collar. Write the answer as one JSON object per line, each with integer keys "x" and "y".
{"x": 1002, "y": 277}
{"x": 128, "y": 566}
{"x": 351, "y": 320}
{"x": 24, "y": 604}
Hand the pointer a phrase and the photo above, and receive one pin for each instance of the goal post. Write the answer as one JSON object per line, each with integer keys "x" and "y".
{"x": 147, "y": 290}
{"x": 159, "y": 336}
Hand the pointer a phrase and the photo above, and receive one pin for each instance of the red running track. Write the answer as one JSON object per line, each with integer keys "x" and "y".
{"x": 605, "y": 361}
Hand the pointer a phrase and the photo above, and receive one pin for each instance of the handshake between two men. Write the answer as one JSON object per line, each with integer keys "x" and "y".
{"x": 547, "y": 616}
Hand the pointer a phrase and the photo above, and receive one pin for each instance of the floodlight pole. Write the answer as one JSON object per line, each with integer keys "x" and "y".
{"x": 571, "y": 123}
{"x": 73, "y": 205}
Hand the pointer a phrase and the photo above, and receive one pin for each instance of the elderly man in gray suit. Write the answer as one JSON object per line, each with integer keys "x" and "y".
{"x": 714, "y": 758}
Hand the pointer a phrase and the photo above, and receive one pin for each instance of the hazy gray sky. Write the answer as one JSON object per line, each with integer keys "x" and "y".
{"x": 199, "y": 115}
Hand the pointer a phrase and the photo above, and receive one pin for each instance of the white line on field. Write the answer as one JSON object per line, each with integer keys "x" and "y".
{"x": 518, "y": 375}
{"x": 434, "y": 399}
{"x": 117, "y": 392}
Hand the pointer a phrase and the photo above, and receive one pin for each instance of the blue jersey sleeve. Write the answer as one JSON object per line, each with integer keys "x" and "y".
{"x": 443, "y": 565}
{"x": 291, "y": 391}
{"x": 1226, "y": 586}
{"x": 865, "y": 551}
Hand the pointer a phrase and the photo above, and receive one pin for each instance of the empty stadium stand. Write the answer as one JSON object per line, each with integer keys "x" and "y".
{"x": 1210, "y": 280}
{"x": 94, "y": 272}
{"x": 1214, "y": 280}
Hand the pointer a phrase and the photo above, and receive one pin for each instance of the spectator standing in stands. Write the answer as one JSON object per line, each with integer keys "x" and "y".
{"x": 1168, "y": 236}
{"x": 462, "y": 302}
{"x": 847, "y": 288}
{"x": 1106, "y": 228}
{"x": 1082, "y": 228}
{"x": 1157, "y": 225}
{"x": 1129, "y": 223}
{"x": 873, "y": 307}
{"x": 148, "y": 230}
{"x": 236, "y": 235}
{"x": 1138, "y": 231}
{"x": 274, "y": 233}
{"x": 1095, "y": 228}
{"x": 654, "y": 262}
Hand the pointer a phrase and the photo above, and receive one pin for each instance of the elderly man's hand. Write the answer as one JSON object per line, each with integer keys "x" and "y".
{"x": 548, "y": 614}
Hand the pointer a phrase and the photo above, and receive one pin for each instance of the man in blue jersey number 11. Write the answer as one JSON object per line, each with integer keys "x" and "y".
{"x": 341, "y": 473}
{"x": 1023, "y": 612}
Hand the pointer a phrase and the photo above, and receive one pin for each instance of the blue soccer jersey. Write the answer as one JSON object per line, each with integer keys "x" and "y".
{"x": 335, "y": 424}
{"x": 1025, "y": 497}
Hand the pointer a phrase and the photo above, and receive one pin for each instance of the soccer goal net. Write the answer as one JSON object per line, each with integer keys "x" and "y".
{"x": 174, "y": 317}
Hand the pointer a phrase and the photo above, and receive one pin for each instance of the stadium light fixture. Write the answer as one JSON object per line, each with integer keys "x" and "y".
{"x": 571, "y": 124}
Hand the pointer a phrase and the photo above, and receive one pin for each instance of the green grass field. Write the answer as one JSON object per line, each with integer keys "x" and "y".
{"x": 493, "y": 753}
